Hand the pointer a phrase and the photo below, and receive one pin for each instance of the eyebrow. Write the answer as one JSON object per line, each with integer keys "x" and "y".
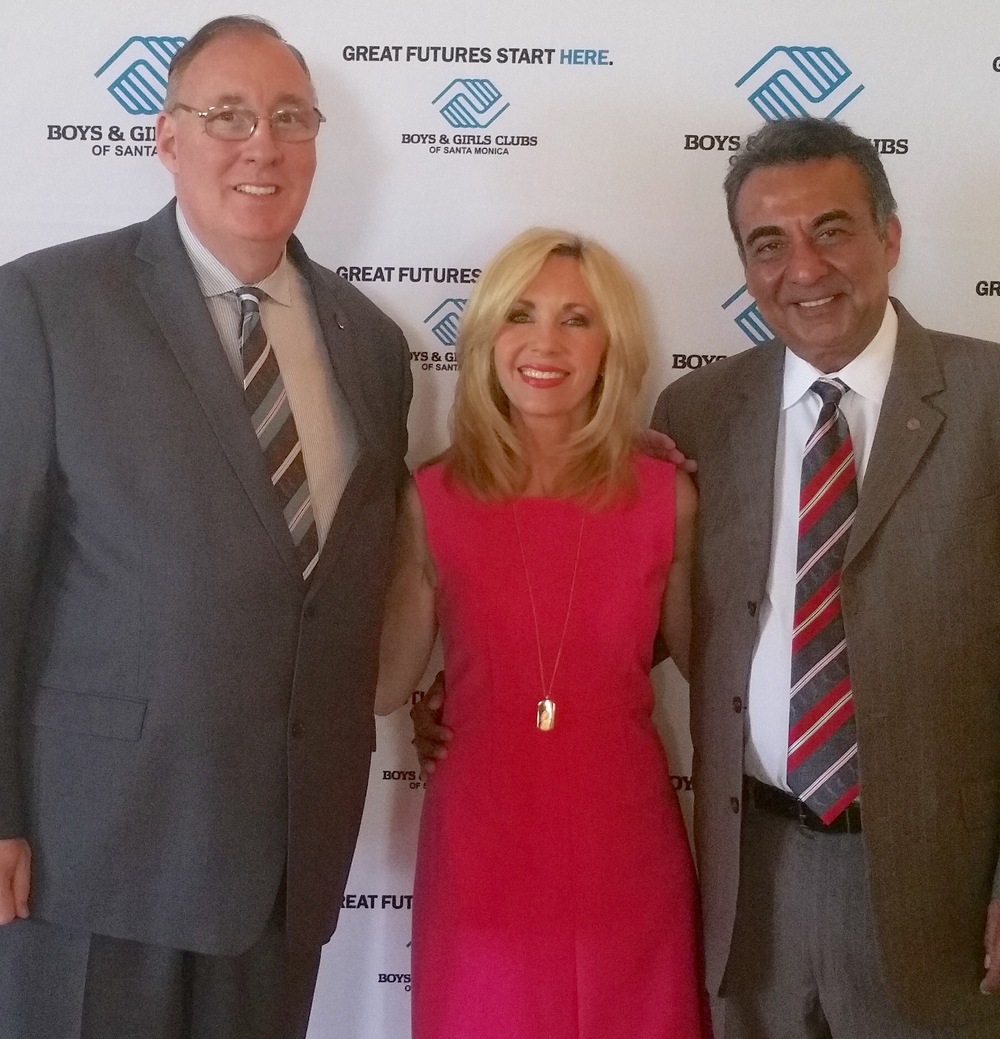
{"x": 293, "y": 99}
{"x": 831, "y": 215}
{"x": 767, "y": 231}
{"x": 228, "y": 99}
{"x": 240, "y": 99}
{"x": 522, "y": 302}
{"x": 773, "y": 230}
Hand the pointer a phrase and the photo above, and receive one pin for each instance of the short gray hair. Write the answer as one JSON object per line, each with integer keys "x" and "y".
{"x": 219, "y": 28}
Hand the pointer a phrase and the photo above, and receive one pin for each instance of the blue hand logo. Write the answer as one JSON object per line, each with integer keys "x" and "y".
{"x": 471, "y": 103}
{"x": 136, "y": 74}
{"x": 797, "y": 81}
{"x": 446, "y": 317}
{"x": 748, "y": 318}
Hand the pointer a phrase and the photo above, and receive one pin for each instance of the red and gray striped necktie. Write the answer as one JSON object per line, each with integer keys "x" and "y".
{"x": 822, "y": 738}
{"x": 274, "y": 424}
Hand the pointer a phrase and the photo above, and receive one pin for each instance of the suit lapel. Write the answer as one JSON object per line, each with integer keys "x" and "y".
{"x": 752, "y": 433}
{"x": 168, "y": 284}
{"x": 342, "y": 348}
{"x": 906, "y": 428}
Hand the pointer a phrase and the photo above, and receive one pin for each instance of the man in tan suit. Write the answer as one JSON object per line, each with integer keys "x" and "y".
{"x": 872, "y": 923}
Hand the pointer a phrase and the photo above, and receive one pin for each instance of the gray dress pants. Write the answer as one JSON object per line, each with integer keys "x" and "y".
{"x": 56, "y": 983}
{"x": 804, "y": 962}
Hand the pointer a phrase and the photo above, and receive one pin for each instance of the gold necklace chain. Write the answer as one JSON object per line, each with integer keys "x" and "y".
{"x": 546, "y": 714}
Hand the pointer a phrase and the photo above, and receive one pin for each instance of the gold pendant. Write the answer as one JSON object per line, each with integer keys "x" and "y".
{"x": 546, "y": 718}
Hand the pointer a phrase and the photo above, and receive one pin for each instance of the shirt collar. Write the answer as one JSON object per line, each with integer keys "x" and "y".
{"x": 867, "y": 375}
{"x": 215, "y": 279}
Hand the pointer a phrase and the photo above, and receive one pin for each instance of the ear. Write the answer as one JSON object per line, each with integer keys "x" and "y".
{"x": 166, "y": 140}
{"x": 892, "y": 237}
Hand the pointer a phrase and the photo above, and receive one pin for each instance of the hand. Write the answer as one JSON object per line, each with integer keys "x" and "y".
{"x": 991, "y": 982}
{"x": 15, "y": 879}
{"x": 429, "y": 735}
{"x": 658, "y": 445}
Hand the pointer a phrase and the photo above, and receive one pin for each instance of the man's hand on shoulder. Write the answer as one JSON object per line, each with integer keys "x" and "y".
{"x": 430, "y": 737}
{"x": 658, "y": 445}
{"x": 15, "y": 879}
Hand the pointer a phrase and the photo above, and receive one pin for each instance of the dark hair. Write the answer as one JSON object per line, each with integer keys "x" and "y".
{"x": 218, "y": 28}
{"x": 800, "y": 140}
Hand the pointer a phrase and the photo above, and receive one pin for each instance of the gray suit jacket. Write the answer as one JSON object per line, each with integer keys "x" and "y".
{"x": 921, "y": 600}
{"x": 180, "y": 716}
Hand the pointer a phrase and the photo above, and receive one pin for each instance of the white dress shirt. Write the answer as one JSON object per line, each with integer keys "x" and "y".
{"x": 770, "y": 672}
{"x": 322, "y": 417}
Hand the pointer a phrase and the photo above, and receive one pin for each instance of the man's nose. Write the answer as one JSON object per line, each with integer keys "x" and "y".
{"x": 806, "y": 262}
{"x": 262, "y": 145}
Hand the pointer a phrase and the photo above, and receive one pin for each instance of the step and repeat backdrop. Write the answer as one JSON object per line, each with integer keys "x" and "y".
{"x": 451, "y": 127}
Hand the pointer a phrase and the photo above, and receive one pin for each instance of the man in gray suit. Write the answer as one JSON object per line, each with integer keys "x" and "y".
{"x": 202, "y": 435}
{"x": 845, "y": 895}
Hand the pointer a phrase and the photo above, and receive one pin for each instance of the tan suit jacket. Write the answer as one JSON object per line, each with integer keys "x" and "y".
{"x": 921, "y": 600}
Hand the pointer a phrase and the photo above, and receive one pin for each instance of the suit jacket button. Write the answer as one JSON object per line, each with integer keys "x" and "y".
{"x": 296, "y": 730}
{"x": 734, "y": 803}
{"x": 752, "y": 609}
{"x": 737, "y": 704}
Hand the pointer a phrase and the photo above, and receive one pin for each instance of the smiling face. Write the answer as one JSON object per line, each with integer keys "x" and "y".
{"x": 815, "y": 261}
{"x": 550, "y": 350}
{"x": 242, "y": 199}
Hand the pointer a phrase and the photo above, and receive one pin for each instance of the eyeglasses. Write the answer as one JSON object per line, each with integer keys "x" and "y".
{"x": 228, "y": 123}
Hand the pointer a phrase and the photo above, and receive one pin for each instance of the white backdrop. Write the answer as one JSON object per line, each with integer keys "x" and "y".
{"x": 451, "y": 127}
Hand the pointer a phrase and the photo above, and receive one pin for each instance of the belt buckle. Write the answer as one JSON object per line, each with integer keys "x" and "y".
{"x": 807, "y": 817}
{"x": 848, "y": 824}
{"x": 844, "y": 823}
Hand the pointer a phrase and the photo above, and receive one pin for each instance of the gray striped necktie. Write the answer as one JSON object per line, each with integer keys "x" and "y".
{"x": 274, "y": 424}
{"x": 822, "y": 738}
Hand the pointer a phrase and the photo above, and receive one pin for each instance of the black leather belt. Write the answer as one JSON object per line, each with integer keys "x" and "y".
{"x": 770, "y": 799}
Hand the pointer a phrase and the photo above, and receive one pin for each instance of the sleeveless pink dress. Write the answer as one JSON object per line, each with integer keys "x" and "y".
{"x": 555, "y": 894}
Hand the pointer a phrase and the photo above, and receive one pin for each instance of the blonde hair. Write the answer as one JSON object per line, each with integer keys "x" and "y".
{"x": 486, "y": 454}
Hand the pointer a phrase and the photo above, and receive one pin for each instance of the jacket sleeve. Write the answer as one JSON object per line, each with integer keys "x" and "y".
{"x": 26, "y": 471}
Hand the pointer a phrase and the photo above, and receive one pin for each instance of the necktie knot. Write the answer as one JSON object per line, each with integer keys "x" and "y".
{"x": 829, "y": 390}
{"x": 249, "y": 298}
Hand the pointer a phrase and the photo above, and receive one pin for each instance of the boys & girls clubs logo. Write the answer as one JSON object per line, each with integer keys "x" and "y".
{"x": 135, "y": 76}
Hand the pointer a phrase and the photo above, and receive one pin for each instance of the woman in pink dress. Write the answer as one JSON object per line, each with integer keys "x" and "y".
{"x": 555, "y": 895}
